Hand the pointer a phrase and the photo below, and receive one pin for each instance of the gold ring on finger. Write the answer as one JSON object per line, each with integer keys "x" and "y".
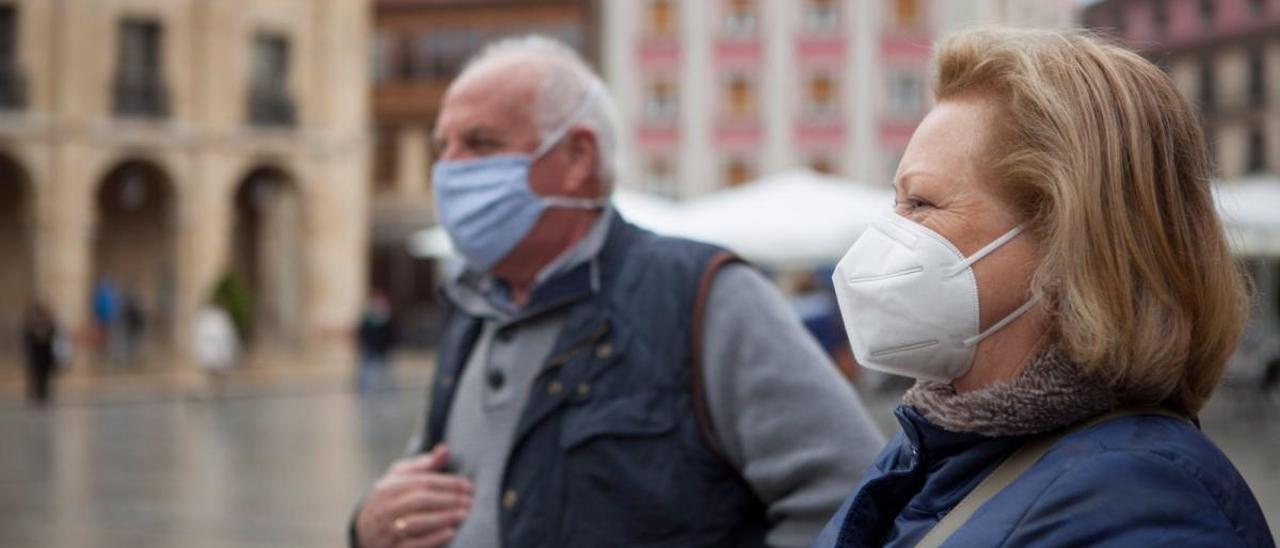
{"x": 400, "y": 525}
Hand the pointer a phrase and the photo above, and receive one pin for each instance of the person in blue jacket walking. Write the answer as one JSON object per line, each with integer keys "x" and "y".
{"x": 1057, "y": 280}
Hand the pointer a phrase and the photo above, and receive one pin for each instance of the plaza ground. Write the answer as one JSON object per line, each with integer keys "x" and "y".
{"x": 277, "y": 456}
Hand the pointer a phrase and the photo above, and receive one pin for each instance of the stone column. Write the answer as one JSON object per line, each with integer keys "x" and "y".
{"x": 413, "y": 159}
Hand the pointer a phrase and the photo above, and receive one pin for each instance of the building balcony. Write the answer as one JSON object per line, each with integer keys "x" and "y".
{"x": 142, "y": 98}
{"x": 272, "y": 108}
{"x": 13, "y": 87}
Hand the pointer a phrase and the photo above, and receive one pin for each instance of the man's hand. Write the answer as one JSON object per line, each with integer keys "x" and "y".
{"x": 414, "y": 505}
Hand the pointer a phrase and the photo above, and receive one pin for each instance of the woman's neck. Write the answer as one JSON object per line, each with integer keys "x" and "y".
{"x": 1004, "y": 354}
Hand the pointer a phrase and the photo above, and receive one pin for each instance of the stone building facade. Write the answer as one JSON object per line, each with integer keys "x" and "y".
{"x": 1224, "y": 55}
{"x": 161, "y": 146}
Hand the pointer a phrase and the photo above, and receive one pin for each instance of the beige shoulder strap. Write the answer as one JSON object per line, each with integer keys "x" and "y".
{"x": 1013, "y": 466}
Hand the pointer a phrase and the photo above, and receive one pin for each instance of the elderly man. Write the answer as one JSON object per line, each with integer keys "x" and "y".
{"x": 598, "y": 385}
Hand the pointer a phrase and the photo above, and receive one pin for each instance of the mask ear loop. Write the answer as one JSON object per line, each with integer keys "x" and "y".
{"x": 1001, "y": 324}
{"x": 986, "y": 250}
{"x": 555, "y": 137}
{"x": 572, "y": 203}
{"x": 969, "y": 261}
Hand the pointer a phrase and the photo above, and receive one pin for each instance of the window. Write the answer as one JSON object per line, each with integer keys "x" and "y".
{"x": 269, "y": 100}
{"x": 1160, "y": 16}
{"x": 1257, "y": 77}
{"x": 270, "y": 62}
{"x": 662, "y": 18}
{"x": 737, "y": 171}
{"x": 1208, "y": 95}
{"x": 570, "y": 34}
{"x": 440, "y": 54}
{"x": 661, "y": 177}
{"x": 892, "y": 159}
{"x": 822, "y": 16}
{"x": 8, "y": 33}
{"x": 1121, "y": 21}
{"x": 380, "y": 58}
{"x": 822, "y": 163}
{"x": 1208, "y": 10}
{"x": 906, "y": 93}
{"x": 660, "y": 101}
{"x": 740, "y": 17}
{"x": 1095, "y": 18}
{"x": 906, "y": 13}
{"x": 404, "y": 57}
{"x": 1256, "y": 162}
{"x": 139, "y": 87}
{"x": 739, "y": 97}
{"x": 821, "y": 95}
{"x": 385, "y": 157}
{"x": 12, "y": 86}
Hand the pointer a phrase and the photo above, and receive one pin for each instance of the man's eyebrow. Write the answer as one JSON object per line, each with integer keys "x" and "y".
{"x": 481, "y": 131}
{"x": 471, "y": 132}
{"x": 440, "y": 142}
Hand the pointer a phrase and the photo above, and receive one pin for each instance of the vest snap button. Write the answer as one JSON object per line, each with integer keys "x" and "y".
{"x": 583, "y": 389}
{"x": 555, "y": 388}
{"x": 604, "y": 351}
{"x": 509, "y": 499}
{"x": 496, "y": 380}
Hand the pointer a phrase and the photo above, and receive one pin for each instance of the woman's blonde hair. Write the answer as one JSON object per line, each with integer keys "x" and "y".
{"x": 1106, "y": 162}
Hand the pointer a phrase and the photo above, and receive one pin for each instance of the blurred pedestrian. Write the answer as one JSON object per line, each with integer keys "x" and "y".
{"x": 41, "y": 338}
{"x": 106, "y": 315}
{"x": 815, "y": 302}
{"x": 375, "y": 337}
{"x": 1057, "y": 280}
{"x": 133, "y": 321}
{"x": 215, "y": 343}
{"x": 597, "y": 384}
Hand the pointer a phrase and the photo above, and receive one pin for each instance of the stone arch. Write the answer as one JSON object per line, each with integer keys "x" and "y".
{"x": 17, "y": 207}
{"x": 134, "y": 286}
{"x": 265, "y": 258}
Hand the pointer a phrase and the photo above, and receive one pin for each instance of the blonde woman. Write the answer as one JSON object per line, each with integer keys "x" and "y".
{"x": 1057, "y": 281}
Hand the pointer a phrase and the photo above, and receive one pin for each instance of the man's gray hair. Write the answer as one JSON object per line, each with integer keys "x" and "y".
{"x": 567, "y": 81}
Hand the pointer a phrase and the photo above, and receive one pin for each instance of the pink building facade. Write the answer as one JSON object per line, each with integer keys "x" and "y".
{"x": 715, "y": 93}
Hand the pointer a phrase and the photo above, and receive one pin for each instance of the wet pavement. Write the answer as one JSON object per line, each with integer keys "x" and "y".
{"x": 282, "y": 467}
{"x": 253, "y": 471}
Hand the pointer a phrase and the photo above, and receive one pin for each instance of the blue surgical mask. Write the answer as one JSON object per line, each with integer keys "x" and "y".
{"x": 485, "y": 204}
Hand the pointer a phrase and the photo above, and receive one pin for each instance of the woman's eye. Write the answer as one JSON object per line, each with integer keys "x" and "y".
{"x": 911, "y": 203}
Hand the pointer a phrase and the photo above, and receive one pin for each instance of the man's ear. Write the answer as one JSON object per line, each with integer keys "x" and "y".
{"x": 583, "y": 175}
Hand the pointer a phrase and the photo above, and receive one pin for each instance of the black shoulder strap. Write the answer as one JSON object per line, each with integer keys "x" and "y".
{"x": 706, "y": 430}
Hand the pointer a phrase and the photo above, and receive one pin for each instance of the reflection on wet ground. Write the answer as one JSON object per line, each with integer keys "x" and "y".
{"x": 254, "y": 471}
{"x": 283, "y": 469}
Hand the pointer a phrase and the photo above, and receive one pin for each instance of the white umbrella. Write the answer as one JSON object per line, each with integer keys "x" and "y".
{"x": 793, "y": 219}
{"x": 649, "y": 211}
{"x": 1250, "y": 211}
